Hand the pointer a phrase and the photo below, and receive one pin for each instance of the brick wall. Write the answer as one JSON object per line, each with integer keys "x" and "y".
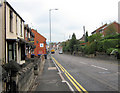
{"x": 39, "y": 39}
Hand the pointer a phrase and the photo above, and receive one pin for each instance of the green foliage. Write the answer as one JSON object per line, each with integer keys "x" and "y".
{"x": 72, "y": 42}
{"x": 71, "y": 45}
{"x": 110, "y": 50}
{"x": 82, "y": 42}
{"x": 90, "y": 49}
{"x": 86, "y": 37}
{"x": 100, "y": 46}
{"x": 95, "y": 43}
{"x": 109, "y": 43}
{"x": 116, "y": 36}
{"x": 95, "y": 37}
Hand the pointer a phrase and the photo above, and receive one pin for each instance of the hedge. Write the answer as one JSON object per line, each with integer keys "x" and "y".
{"x": 109, "y": 43}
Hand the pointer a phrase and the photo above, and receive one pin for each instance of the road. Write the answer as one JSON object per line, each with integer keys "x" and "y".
{"x": 92, "y": 74}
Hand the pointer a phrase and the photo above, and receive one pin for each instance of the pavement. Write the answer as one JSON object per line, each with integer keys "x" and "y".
{"x": 50, "y": 79}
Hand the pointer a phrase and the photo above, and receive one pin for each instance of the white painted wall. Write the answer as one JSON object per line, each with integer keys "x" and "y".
{"x": 13, "y": 35}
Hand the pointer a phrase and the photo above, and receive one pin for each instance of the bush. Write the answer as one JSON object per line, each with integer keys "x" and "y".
{"x": 100, "y": 46}
{"x": 110, "y": 50}
{"x": 90, "y": 49}
{"x": 117, "y": 36}
{"x": 109, "y": 43}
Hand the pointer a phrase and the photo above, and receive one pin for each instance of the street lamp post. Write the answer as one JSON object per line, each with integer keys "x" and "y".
{"x": 50, "y": 29}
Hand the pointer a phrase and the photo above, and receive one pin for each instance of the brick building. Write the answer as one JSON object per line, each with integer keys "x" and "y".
{"x": 29, "y": 37}
{"x": 105, "y": 27}
{"x": 40, "y": 43}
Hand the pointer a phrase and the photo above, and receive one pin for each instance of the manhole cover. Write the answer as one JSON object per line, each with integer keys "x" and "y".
{"x": 104, "y": 72}
{"x": 52, "y": 68}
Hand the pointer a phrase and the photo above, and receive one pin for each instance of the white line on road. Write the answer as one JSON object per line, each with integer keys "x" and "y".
{"x": 83, "y": 63}
{"x": 63, "y": 80}
{"x": 99, "y": 67}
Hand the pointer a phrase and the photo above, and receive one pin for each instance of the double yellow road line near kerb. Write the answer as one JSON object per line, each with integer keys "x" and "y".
{"x": 72, "y": 80}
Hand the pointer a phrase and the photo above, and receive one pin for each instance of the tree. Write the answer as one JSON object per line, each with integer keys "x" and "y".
{"x": 72, "y": 43}
{"x": 86, "y": 37}
{"x": 95, "y": 37}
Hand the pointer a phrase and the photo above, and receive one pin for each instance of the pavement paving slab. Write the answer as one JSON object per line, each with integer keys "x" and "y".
{"x": 50, "y": 80}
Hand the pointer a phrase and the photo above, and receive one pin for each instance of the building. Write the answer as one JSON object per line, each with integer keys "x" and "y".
{"x": 100, "y": 29}
{"x": 108, "y": 27}
{"x": 12, "y": 29}
{"x": 2, "y": 35}
{"x": 82, "y": 38}
{"x": 112, "y": 26}
{"x": 29, "y": 37}
{"x": 40, "y": 43}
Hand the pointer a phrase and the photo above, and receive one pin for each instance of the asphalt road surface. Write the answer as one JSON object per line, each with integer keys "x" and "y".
{"x": 92, "y": 74}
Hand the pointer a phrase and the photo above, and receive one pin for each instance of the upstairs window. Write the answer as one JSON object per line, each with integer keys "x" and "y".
{"x": 11, "y": 21}
{"x": 21, "y": 28}
{"x": 16, "y": 26}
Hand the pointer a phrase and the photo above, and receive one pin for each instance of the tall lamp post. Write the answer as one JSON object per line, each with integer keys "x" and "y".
{"x": 50, "y": 29}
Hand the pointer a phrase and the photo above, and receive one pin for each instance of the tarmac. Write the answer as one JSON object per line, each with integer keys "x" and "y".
{"x": 50, "y": 79}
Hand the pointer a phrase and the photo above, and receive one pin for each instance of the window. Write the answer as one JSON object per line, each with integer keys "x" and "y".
{"x": 21, "y": 27}
{"x": 15, "y": 51}
{"x": 16, "y": 25}
{"x": 10, "y": 52}
{"x": 11, "y": 20}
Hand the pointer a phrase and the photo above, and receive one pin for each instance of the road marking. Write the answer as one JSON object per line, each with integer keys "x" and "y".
{"x": 83, "y": 63}
{"x": 51, "y": 68}
{"x": 99, "y": 67}
{"x": 73, "y": 81}
{"x": 63, "y": 80}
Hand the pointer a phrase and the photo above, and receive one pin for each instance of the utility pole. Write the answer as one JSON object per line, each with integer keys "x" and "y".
{"x": 50, "y": 29}
{"x": 84, "y": 32}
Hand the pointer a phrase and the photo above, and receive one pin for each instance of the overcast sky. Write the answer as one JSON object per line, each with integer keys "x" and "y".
{"x": 70, "y": 17}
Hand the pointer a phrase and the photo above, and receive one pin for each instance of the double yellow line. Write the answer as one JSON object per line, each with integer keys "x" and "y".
{"x": 73, "y": 81}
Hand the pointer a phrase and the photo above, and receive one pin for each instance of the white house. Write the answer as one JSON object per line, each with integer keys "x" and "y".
{"x": 12, "y": 29}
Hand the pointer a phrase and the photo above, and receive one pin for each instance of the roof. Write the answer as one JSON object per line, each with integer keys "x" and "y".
{"x": 82, "y": 37}
{"x": 38, "y": 33}
{"x": 99, "y": 28}
{"x": 13, "y": 10}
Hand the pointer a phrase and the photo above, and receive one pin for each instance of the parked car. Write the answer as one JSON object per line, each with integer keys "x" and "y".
{"x": 61, "y": 51}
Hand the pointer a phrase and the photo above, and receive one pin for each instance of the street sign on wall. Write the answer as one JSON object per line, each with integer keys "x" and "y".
{"x": 41, "y": 45}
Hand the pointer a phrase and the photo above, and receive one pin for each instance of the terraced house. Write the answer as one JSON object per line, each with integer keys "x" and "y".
{"x": 12, "y": 32}
{"x": 29, "y": 37}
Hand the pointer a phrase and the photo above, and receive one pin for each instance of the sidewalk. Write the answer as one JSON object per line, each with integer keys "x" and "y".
{"x": 50, "y": 79}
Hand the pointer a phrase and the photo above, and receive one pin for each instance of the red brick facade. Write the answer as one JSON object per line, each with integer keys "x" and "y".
{"x": 103, "y": 28}
{"x": 115, "y": 25}
{"x": 40, "y": 43}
